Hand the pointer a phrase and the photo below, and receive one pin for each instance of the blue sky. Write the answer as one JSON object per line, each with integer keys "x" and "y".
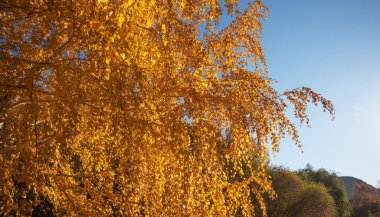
{"x": 332, "y": 46}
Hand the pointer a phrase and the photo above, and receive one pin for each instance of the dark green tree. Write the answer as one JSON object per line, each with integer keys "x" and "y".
{"x": 315, "y": 201}
{"x": 297, "y": 197}
{"x": 334, "y": 186}
{"x": 288, "y": 187}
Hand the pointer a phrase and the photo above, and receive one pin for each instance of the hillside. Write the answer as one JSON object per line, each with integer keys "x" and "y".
{"x": 349, "y": 182}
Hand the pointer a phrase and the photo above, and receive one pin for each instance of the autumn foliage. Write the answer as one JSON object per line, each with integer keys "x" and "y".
{"x": 122, "y": 108}
{"x": 365, "y": 200}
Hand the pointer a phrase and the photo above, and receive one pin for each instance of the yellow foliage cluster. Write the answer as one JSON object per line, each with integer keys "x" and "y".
{"x": 137, "y": 108}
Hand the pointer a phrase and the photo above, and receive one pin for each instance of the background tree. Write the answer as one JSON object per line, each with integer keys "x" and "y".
{"x": 315, "y": 201}
{"x": 299, "y": 197}
{"x": 334, "y": 186}
{"x": 119, "y": 108}
{"x": 289, "y": 188}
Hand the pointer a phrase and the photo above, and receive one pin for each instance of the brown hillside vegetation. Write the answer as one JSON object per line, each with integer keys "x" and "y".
{"x": 365, "y": 200}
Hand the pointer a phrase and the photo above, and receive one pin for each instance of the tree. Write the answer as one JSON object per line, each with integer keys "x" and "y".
{"x": 334, "y": 186}
{"x": 315, "y": 201}
{"x": 299, "y": 197}
{"x": 289, "y": 188}
{"x": 120, "y": 107}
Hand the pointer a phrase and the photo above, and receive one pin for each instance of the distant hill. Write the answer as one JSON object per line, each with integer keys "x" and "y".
{"x": 349, "y": 181}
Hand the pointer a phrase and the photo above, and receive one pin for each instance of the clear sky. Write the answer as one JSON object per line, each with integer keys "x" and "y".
{"x": 332, "y": 46}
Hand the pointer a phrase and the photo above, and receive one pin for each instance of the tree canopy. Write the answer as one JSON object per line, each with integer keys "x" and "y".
{"x": 334, "y": 186}
{"x": 299, "y": 197}
{"x": 122, "y": 108}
